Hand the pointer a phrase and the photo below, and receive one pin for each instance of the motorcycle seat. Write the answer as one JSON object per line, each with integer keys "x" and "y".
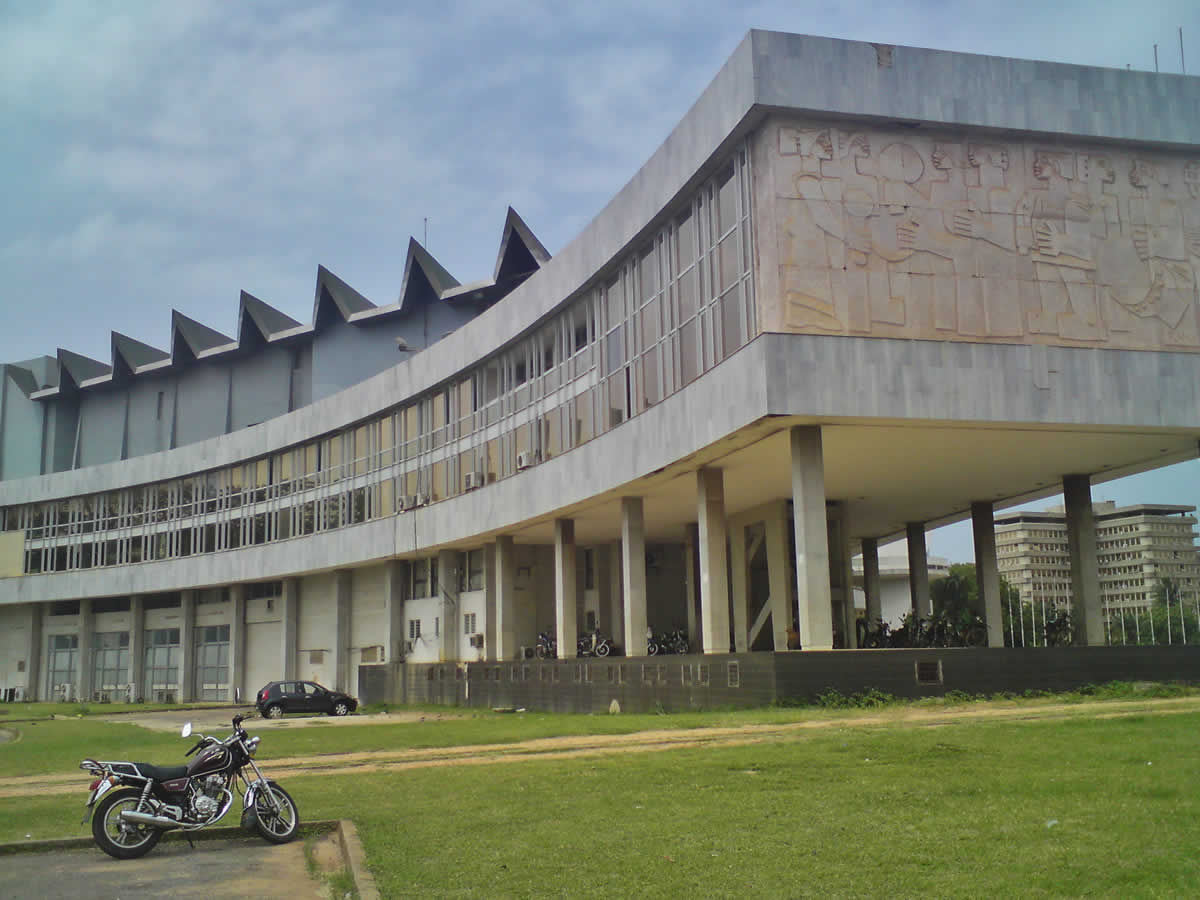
{"x": 162, "y": 773}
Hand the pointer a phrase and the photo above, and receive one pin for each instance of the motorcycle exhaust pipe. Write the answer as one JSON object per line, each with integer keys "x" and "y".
{"x": 139, "y": 818}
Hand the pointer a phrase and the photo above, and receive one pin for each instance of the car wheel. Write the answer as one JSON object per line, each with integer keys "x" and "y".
{"x": 341, "y": 708}
{"x": 274, "y": 711}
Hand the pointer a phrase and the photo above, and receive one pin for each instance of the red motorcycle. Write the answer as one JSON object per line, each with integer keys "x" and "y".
{"x": 132, "y": 804}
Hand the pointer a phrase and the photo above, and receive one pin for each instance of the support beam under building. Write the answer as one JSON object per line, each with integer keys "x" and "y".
{"x": 237, "y": 642}
{"x": 870, "y": 558}
{"x": 739, "y": 572}
{"x": 343, "y": 584}
{"x": 187, "y": 646}
{"x": 87, "y": 628}
{"x": 566, "y": 621}
{"x": 289, "y": 624}
{"x": 987, "y": 570}
{"x": 137, "y": 645}
{"x": 714, "y": 584}
{"x": 813, "y": 595}
{"x": 448, "y": 563}
{"x": 506, "y": 594}
{"x": 841, "y": 580}
{"x": 1087, "y": 621}
{"x": 779, "y": 571}
{"x": 633, "y": 575}
{"x": 918, "y": 570}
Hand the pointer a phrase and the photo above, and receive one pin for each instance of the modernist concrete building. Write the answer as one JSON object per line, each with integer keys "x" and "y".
{"x": 1136, "y": 548}
{"x": 895, "y": 590}
{"x": 860, "y": 289}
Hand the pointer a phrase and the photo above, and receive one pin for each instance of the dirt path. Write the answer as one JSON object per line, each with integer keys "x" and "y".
{"x": 645, "y": 741}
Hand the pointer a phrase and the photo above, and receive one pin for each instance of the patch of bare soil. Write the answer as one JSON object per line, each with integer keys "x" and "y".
{"x": 652, "y": 741}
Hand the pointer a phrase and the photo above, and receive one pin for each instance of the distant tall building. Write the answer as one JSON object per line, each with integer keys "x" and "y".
{"x": 1136, "y": 546}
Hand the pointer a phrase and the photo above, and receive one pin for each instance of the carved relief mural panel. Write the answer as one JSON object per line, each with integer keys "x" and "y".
{"x": 909, "y": 234}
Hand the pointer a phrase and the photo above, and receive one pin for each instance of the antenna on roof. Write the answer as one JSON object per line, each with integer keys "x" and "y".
{"x": 1156, "y": 58}
{"x": 425, "y": 240}
{"x": 1181, "y": 65}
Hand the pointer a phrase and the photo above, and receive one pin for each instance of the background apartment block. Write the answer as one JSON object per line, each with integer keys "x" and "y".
{"x": 1137, "y": 547}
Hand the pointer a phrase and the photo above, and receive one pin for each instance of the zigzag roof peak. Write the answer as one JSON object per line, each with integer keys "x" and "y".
{"x": 521, "y": 253}
{"x": 425, "y": 279}
{"x": 129, "y": 355}
{"x": 76, "y": 369}
{"x": 333, "y": 297}
{"x": 191, "y": 340}
{"x": 259, "y": 322}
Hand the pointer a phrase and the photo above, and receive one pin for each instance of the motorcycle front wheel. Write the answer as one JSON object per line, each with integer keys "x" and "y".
{"x": 602, "y": 649}
{"x": 277, "y": 826}
{"x": 122, "y": 840}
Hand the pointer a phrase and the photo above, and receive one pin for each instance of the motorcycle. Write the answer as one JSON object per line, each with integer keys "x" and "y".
{"x": 132, "y": 804}
{"x": 593, "y": 645}
{"x": 547, "y": 647}
{"x": 672, "y": 642}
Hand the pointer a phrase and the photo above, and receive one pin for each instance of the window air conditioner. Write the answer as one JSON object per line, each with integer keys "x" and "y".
{"x": 477, "y": 640}
{"x": 525, "y": 460}
{"x": 474, "y": 480}
{"x": 412, "y": 501}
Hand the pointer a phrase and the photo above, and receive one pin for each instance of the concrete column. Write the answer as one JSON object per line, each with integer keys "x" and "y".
{"x": 137, "y": 645}
{"x": 506, "y": 594}
{"x": 33, "y": 656}
{"x": 566, "y": 618}
{"x": 1087, "y": 622}
{"x": 616, "y": 599}
{"x": 343, "y": 600}
{"x": 740, "y": 588}
{"x": 987, "y": 571}
{"x": 870, "y": 555}
{"x": 633, "y": 575}
{"x": 918, "y": 570}
{"x": 489, "y": 601}
{"x": 606, "y": 586}
{"x": 714, "y": 585}
{"x": 289, "y": 615}
{"x": 691, "y": 562}
{"x": 237, "y": 642}
{"x": 187, "y": 646}
{"x": 87, "y": 625}
{"x": 778, "y": 576}
{"x": 449, "y": 562}
{"x": 841, "y": 577}
{"x": 813, "y": 594}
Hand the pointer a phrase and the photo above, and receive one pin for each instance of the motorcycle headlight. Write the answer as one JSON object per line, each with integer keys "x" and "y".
{"x": 252, "y": 745}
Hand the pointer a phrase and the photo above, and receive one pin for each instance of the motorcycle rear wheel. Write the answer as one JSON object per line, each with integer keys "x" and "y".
{"x": 276, "y": 827}
{"x": 118, "y": 839}
{"x": 603, "y": 649}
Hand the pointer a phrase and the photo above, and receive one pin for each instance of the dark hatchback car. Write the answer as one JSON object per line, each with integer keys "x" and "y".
{"x": 281, "y": 697}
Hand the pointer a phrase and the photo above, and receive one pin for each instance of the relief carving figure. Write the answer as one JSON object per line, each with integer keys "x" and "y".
{"x": 880, "y": 203}
{"x": 1054, "y": 226}
{"x": 1159, "y": 235}
{"x": 812, "y": 247}
{"x": 900, "y": 234}
{"x": 998, "y": 274}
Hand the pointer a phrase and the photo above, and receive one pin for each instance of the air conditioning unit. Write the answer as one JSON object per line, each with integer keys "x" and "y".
{"x": 473, "y": 480}
{"x": 525, "y": 460}
{"x": 19, "y": 695}
{"x": 408, "y": 646}
{"x": 477, "y": 640}
{"x": 164, "y": 696}
{"x": 65, "y": 692}
{"x": 412, "y": 501}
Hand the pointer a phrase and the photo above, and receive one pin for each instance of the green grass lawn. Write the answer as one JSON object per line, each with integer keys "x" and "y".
{"x": 1063, "y": 807}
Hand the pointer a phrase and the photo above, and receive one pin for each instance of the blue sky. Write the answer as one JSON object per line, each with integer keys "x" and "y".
{"x": 160, "y": 156}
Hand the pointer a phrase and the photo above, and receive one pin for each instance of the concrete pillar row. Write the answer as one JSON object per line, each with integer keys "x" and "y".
{"x": 137, "y": 645}
{"x": 633, "y": 575}
{"x": 345, "y": 677}
{"x": 237, "y": 642}
{"x": 691, "y": 577}
{"x": 1087, "y": 621}
{"x": 918, "y": 570}
{"x": 566, "y": 620}
{"x": 506, "y": 607}
{"x": 33, "y": 656}
{"x": 841, "y": 577}
{"x": 987, "y": 570}
{"x": 870, "y": 556}
{"x": 87, "y": 626}
{"x": 489, "y": 602}
{"x": 616, "y": 597}
{"x": 289, "y": 614}
{"x": 187, "y": 646}
{"x": 714, "y": 583}
{"x": 813, "y": 595}
{"x": 740, "y": 587}
{"x": 778, "y": 572}
{"x": 448, "y": 562}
